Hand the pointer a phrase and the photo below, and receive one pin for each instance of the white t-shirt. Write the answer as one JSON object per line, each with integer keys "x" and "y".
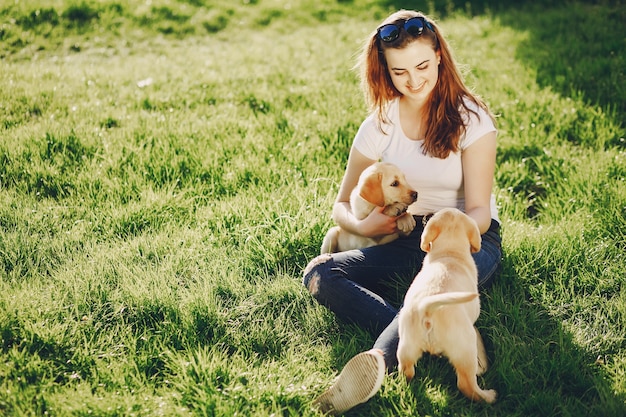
{"x": 438, "y": 182}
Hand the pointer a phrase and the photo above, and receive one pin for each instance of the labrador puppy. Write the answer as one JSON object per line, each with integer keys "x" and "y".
{"x": 380, "y": 185}
{"x": 442, "y": 304}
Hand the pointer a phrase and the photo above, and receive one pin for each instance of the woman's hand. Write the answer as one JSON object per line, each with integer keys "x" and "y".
{"x": 377, "y": 224}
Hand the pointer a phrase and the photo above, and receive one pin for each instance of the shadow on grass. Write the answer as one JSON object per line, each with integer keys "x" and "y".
{"x": 577, "y": 49}
{"x": 537, "y": 366}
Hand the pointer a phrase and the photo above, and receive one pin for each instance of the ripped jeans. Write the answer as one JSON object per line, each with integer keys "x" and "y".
{"x": 367, "y": 286}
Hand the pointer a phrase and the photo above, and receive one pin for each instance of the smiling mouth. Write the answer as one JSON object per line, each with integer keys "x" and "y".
{"x": 415, "y": 90}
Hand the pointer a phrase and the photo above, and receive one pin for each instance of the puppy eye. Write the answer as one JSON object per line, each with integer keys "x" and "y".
{"x": 395, "y": 183}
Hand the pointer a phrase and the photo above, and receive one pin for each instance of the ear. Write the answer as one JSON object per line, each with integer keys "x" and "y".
{"x": 431, "y": 232}
{"x": 372, "y": 189}
{"x": 473, "y": 234}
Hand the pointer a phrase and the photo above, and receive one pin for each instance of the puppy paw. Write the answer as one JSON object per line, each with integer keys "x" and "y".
{"x": 395, "y": 209}
{"x": 409, "y": 372}
{"x": 406, "y": 223}
{"x": 489, "y": 396}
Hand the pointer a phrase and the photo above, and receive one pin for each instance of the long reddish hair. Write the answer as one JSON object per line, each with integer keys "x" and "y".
{"x": 444, "y": 118}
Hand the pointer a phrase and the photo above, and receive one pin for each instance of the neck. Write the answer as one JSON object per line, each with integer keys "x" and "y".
{"x": 413, "y": 105}
{"x": 412, "y": 119}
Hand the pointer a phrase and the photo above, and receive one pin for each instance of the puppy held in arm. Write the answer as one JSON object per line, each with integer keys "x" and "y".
{"x": 442, "y": 304}
{"x": 380, "y": 185}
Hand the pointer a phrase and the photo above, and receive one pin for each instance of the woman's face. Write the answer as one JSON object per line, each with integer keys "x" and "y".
{"x": 414, "y": 69}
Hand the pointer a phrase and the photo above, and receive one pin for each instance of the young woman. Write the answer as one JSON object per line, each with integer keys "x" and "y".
{"x": 426, "y": 121}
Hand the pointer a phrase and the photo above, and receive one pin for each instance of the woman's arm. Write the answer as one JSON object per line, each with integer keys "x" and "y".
{"x": 479, "y": 165}
{"x": 377, "y": 223}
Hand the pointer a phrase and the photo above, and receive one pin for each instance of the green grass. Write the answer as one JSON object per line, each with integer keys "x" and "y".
{"x": 168, "y": 168}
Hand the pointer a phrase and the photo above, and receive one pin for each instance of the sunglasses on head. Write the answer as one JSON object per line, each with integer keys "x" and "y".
{"x": 413, "y": 26}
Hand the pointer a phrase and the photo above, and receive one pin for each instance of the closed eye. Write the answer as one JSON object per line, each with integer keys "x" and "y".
{"x": 422, "y": 65}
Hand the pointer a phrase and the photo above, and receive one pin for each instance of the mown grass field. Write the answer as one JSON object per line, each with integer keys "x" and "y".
{"x": 167, "y": 169}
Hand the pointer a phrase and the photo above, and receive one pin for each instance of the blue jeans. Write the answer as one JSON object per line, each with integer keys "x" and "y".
{"x": 367, "y": 286}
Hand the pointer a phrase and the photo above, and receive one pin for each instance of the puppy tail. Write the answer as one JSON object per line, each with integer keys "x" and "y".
{"x": 433, "y": 302}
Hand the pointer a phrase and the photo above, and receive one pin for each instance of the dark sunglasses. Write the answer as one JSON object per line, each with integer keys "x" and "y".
{"x": 413, "y": 26}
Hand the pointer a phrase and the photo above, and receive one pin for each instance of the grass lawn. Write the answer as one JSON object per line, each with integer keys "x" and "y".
{"x": 168, "y": 168}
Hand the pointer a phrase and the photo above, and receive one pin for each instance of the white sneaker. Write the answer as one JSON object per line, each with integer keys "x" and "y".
{"x": 359, "y": 380}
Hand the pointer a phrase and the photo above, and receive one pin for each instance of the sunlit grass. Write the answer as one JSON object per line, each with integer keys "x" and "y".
{"x": 167, "y": 169}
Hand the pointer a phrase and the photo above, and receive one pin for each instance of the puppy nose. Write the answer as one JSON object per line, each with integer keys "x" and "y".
{"x": 414, "y": 195}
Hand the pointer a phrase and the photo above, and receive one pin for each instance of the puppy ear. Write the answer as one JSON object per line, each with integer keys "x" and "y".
{"x": 473, "y": 234}
{"x": 431, "y": 232}
{"x": 372, "y": 189}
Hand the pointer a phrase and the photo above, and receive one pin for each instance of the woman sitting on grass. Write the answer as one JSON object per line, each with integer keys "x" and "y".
{"x": 428, "y": 123}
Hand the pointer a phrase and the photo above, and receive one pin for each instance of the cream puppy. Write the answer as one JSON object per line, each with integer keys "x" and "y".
{"x": 381, "y": 184}
{"x": 442, "y": 304}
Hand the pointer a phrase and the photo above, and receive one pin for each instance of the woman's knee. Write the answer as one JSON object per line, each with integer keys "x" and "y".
{"x": 315, "y": 271}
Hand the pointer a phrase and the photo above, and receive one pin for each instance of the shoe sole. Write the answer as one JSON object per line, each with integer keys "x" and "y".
{"x": 359, "y": 380}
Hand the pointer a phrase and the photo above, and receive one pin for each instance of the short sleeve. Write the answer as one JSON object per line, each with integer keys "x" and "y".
{"x": 369, "y": 140}
{"x": 478, "y": 125}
